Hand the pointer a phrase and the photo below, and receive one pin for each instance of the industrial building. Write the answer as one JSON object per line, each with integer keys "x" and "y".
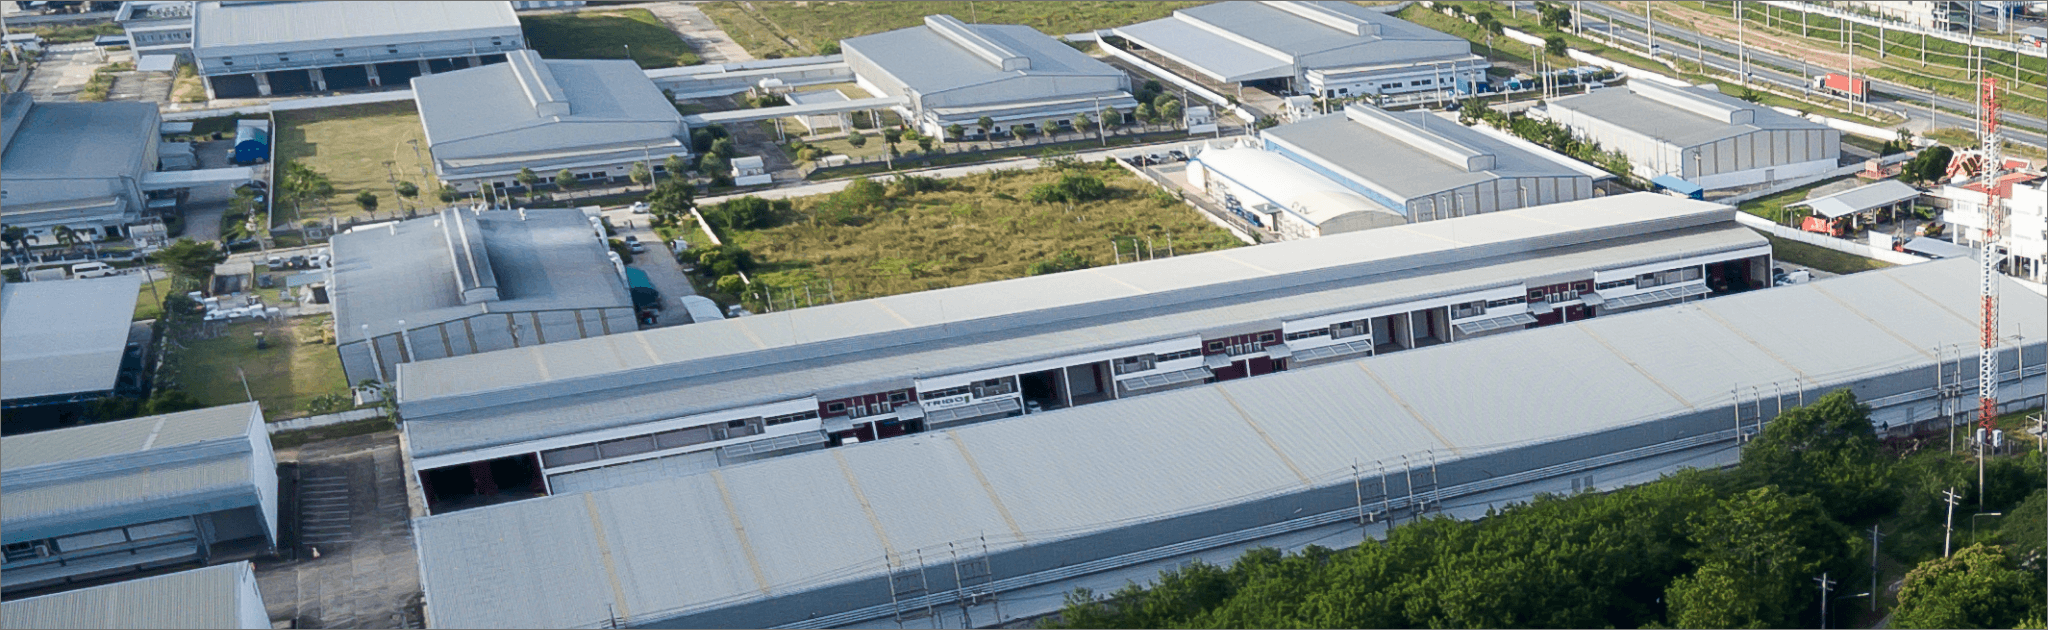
{"x": 987, "y": 524}
{"x": 249, "y": 49}
{"x": 132, "y": 495}
{"x": 1326, "y": 49}
{"x": 79, "y": 165}
{"x": 215, "y": 597}
{"x": 66, "y": 344}
{"x": 1416, "y": 166}
{"x": 596, "y": 118}
{"x": 596, "y": 413}
{"x": 1698, "y": 134}
{"x": 157, "y": 28}
{"x": 2022, "y": 194}
{"x": 948, "y": 72}
{"x": 462, "y": 282}
{"x": 1287, "y": 198}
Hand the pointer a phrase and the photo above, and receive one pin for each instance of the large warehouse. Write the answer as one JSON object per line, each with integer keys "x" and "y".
{"x": 582, "y": 415}
{"x": 79, "y": 165}
{"x": 949, "y": 72}
{"x": 596, "y": 118}
{"x": 996, "y": 521}
{"x": 249, "y": 49}
{"x": 211, "y": 598}
{"x": 1290, "y": 200}
{"x": 66, "y": 343}
{"x": 463, "y": 282}
{"x": 1699, "y": 134}
{"x": 132, "y": 495}
{"x": 1328, "y": 49}
{"x": 1419, "y": 165}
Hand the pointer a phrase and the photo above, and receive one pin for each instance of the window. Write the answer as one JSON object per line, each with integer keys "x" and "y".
{"x": 794, "y": 417}
{"x": 1646, "y": 281}
{"x": 391, "y": 49}
{"x": 835, "y": 407}
{"x": 683, "y": 437}
{"x": 995, "y": 387}
{"x": 1614, "y": 284}
{"x": 1353, "y": 328}
{"x": 1265, "y": 337}
{"x": 338, "y": 53}
{"x": 20, "y": 551}
{"x": 899, "y": 397}
{"x": 1503, "y": 303}
{"x": 283, "y": 57}
{"x": 734, "y": 424}
{"x": 1138, "y": 363}
{"x": 227, "y": 62}
{"x": 624, "y": 447}
{"x": 1176, "y": 356}
{"x": 1215, "y": 346}
{"x": 945, "y": 393}
{"x": 1307, "y": 334}
{"x": 1344, "y": 91}
{"x": 1468, "y": 309}
{"x": 567, "y": 456}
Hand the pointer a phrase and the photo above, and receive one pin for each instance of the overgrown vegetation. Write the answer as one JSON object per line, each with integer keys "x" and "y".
{"x": 766, "y": 29}
{"x": 608, "y": 35}
{"x": 1821, "y": 258}
{"x": 74, "y": 33}
{"x": 917, "y": 233}
{"x": 1550, "y": 134}
{"x": 1697, "y": 549}
{"x": 350, "y": 146}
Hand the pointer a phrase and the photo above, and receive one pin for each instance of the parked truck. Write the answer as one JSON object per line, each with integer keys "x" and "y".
{"x": 1842, "y": 85}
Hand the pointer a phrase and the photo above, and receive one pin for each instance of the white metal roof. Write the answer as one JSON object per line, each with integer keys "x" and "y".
{"x": 256, "y": 27}
{"x": 804, "y": 521}
{"x": 223, "y": 596}
{"x": 530, "y": 106}
{"x": 158, "y": 464}
{"x": 1313, "y": 197}
{"x": 1243, "y": 41}
{"x": 64, "y": 337}
{"x": 1862, "y": 198}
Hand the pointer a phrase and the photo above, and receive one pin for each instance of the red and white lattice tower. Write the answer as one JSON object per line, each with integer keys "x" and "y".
{"x": 1988, "y": 255}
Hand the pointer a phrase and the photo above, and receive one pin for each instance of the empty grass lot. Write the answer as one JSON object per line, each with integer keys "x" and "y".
{"x": 295, "y": 368}
{"x": 350, "y": 144}
{"x": 976, "y": 230}
{"x": 814, "y": 24}
{"x": 605, "y": 35}
{"x": 1821, "y": 258}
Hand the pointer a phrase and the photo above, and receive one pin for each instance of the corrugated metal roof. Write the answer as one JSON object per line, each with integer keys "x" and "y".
{"x": 212, "y": 597}
{"x": 73, "y": 141}
{"x": 1409, "y": 169}
{"x": 1645, "y": 115}
{"x": 553, "y": 409}
{"x": 162, "y": 463}
{"x": 331, "y": 24}
{"x": 797, "y": 522}
{"x": 1135, "y": 290}
{"x": 485, "y": 112}
{"x": 1292, "y": 185}
{"x": 929, "y": 62}
{"x": 1862, "y": 198}
{"x": 64, "y": 337}
{"x": 1195, "y": 36}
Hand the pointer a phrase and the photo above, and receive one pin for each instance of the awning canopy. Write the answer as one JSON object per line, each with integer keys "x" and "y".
{"x": 1168, "y": 379}
{"x": 1334, "y": 350}
{"x": 1495, "y": 323}
{"x": 970, "y": 412}
{"x": 1279, "y": 351}
{"x": 1937, "y": 248}
{"x": 1862, "y": 199}
{"x": 1661, "y": 295}
{"x": 1216, "y": 361}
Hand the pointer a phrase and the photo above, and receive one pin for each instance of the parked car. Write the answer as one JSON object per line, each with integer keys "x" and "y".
{"x": 241, "y": 244}
{"x": 93, "y": 270}
{"x": 1178, "y": 156}
{"x": 298, "y": 262}
{"x": 639, "y": 207}
{"x": 633, "y": 243}
{"x": 319, "y": 259}
{"x": 275, "y": 262}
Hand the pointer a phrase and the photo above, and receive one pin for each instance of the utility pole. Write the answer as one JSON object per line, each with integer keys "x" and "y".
{"x": 1875, "y": 538}
{"x": 1825, "y": 586}
{"x": 1948, "y": 526}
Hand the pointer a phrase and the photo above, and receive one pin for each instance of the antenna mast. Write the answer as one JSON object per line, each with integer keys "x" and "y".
{"x": 1987, "y": 260}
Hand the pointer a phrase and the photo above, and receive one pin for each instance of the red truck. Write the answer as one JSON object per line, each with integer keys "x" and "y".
{"x": 1841, "y": 85}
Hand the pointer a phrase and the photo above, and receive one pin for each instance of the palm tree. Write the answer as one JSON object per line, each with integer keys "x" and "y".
{"x": 15, "y": 238}
{"x": 66, "y": 237}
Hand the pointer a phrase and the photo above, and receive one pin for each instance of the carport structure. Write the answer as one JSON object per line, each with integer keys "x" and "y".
{"x": 1864, "y": 202}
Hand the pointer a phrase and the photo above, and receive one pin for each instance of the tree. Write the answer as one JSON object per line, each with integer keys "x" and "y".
{"x": 189, "y": 259}
{"x": 725, "y": 260}
{"x": 739, "y": 214}
{"x": 1147, "y": 113}
{"x": 724, "y": 148}
{"x": 170, "y": 401}
{"x": 924, "y": 143}
{"x": 367, "y": 200}
{"x": 674, "y": 166}
{"x": 1170, "y": 113}
{"x": 856, "y": 139}
{"x": 828, "y": 48}
{"x": 1554, "y": 45}
{"x": 407, "y": 190}
{"x": 1826, "y": 449}
{"x": 65, "y": 236}
{"x": 1051, "y": 127}
{"x": 1930, "y": 165}
{"x": 447, "y": 194}
{"x": 892, "y": 136}
{"x": 1767, "y": 544}
{"x": 300, "y": 183}
{"x": 954, "y": 132}
{"x": 16, "y": 238}
{"x": 713, "y": 166}
{"x": 639, "y": 174}
{"x": 671, "y": 199}
{"x": 527, "y": 178}
{"x": 1978, "y": 587}
{"x": 731, "y": 284}
{"x": 1557, "y": 17}
{"x": 1110, "y": 118}
{"x": 861, "y": 194}
{"x": 565, "y": 180}
{"x": 1081, "y": 123}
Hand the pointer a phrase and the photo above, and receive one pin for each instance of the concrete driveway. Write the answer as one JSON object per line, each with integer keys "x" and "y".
{"x": 699, "y": 32}
{"x": 661, "y": 267}
{"x": 62, "y": 72}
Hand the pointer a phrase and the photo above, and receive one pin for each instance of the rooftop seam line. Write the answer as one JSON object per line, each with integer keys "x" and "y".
{"x": 1638, "y": 368}
{"x": 604, "y": 551}
{"x": 1887, "y": 330}
{"x": 975, "y": 467}
{"x": 1756, "y": 344}
{"x": 888, "y": 550}
{"x": 1225, "y": 254}
{"x": 739, "y": 530}
{"x": 1284, "y": 459}
{"x": 892, "y": 313}
{"x": 151, "y": 440}
{"x": 539, "y": 362}
{"x": 1439, "y": 237}
{"x": 652, "y": 355}
{"x": 748, "y": 330}
{"x": 1097, "y": 271}
{"x": 1412, "y": 413}
{"x": 1972, "y": 322}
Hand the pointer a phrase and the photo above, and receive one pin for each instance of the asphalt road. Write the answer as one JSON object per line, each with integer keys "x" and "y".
{"x": 1763, "y": 66}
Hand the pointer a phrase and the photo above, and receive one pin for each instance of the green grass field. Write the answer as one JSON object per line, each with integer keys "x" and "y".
{"x": 350, "y": 144}
{"x": 1821, "y": 258}
{"x": 978, "y": 230}
{"x": 295, "y": 368}
{"x": 606, "y": 35}
{"x": 814, "y": 24}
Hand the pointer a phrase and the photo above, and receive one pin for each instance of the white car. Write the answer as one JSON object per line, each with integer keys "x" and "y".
{"x": 93, "y": 269}
{"x": 639, "y": 207}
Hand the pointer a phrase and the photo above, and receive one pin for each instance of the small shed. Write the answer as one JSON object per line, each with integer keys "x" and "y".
{"x": 1678, "y": 186}
{"x": 252, "y": 141}
{"x": 750, "y": 170}
{"x": 1937, "y": 249}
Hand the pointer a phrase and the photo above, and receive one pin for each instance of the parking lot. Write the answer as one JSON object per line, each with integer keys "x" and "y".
{"x": 346, "y": 502}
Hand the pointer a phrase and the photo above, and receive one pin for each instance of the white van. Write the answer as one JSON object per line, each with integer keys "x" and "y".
{"x": 93, "y": 269}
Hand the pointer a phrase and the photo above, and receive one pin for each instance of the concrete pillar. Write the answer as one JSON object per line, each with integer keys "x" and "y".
{"x": 319, "y": 80}
{"x": 208, "y": 82}
{"x": 375, "y": 81}
{"x": 425, "y": 69}
{"x": 262, "y": 83}
{"x": 476, "y": 60}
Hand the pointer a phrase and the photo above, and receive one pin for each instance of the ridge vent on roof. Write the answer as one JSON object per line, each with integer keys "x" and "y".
{"x": 1326, "y": 17}
{"x": 966, "y": 37}
{"x": 1686, "y": 99}
{"x": 538, "y": 81}
{"x": 475, "y": 281}
{"x": 1416, "y": 134}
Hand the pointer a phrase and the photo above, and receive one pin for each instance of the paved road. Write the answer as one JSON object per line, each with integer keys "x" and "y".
{"x": 351, "y": 505}
{"x": 62, "y": 72}
{"x": 700, "y": 32}
{"x": 1766, "y": 66}
{"x": 661, "y": 267}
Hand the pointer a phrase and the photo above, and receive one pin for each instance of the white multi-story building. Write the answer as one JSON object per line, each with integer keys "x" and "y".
{"x": 2026, "y": 204}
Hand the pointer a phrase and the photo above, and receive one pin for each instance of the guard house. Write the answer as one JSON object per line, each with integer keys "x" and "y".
{"x": 104, "y": 499}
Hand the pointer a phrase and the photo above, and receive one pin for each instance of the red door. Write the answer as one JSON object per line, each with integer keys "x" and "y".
{"x": 1233, "y": 371}
{"x": 1259, "y": 365}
